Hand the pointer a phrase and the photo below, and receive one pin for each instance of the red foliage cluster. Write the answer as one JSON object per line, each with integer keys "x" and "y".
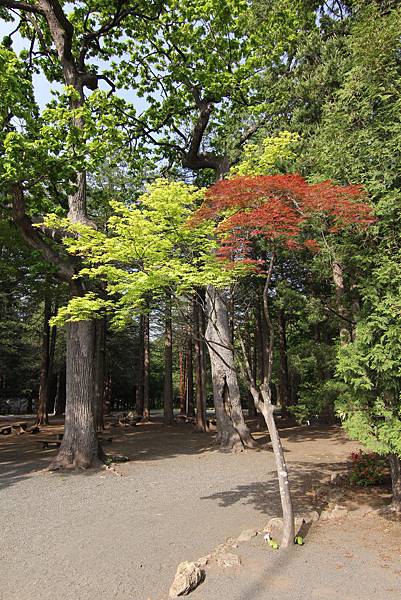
{"x": 276, "y": 207}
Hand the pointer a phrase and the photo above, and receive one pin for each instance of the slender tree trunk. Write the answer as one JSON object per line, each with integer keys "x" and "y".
{"x": 267, "y": 410}
{"x": 100, "y": 350}
{"x": 141, "y": 369}
{"x": 190, "y": 376}
{"x": 199, "y": 368}
{"x": 232, "y": 431}
{"x": 52, "y": 351}
{"x": 146, "y": 365}
{"x": 79, "y": 447}
{"x": 338, "y": 278}
{"x": 183, "y": 382}
{"x": 395, "y": 466}
{"x": 254, "y": 367}
{"x": 284, "y": 386}
{"x": 41, "y": 411}
{"x": 168, "y": 366}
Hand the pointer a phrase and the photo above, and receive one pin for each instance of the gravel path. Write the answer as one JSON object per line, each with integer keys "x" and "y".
{"x": 98, "y": 536}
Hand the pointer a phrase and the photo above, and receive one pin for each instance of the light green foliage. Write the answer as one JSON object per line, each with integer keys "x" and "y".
{"x": 275, "y": 154}
{"x": 149, "y": 246}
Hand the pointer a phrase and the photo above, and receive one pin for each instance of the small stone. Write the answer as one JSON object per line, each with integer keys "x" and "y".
{"x": 187, "y": 578}
{"x": 227, "y": 559}
{"x": 203, "y": 560}
{"x": 247, "y": 535}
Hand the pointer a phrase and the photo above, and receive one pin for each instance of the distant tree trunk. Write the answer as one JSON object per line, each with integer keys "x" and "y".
{"x": 146, "y": 365}
{"x": 168, "y": 365}
{"x": 141, "y": 369}
{"x": 254, "y": 366}
{"x": 284, "y": 385}
{"x": 190, "y": 376}
{"x": 338, "y": 278}
{"x": 232, "y": 431}
{"x": 395, "y": 466}
{"x": 183, "y": 382}
{"x": 41, "y": 410}
{"x": 52, "y": 351}
{"x": 79, "y": 447}
{"x": 100, "y": 351}
{"x": 199, "y": 369}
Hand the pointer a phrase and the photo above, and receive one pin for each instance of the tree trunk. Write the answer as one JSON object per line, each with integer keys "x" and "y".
{"x": 168, "y": 366}
{"x": 52, "y": 351}
{"x": 267, "y": 410}
{"x": 183, "y": 382}
{"x": 232, "y": 431}
{"x": 100, "y": 350}
{"x": 190, "y": 376}
{"x": 141, "y": 369}
{"x": 338, "y": 278}
{"x": 284, "y": 387}
{"x": 41, "y": 411}
{"x": 199, "y": 369}
{"x": 79, "y": 447}
{"x": 395, "y": 466}
{"x": 146, "y": 365}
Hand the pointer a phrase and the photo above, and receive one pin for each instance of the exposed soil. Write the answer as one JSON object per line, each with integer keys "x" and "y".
{"x": 121, "y": 534}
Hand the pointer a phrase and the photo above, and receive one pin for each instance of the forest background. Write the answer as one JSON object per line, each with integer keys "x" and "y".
{"x": 233, "y": 89}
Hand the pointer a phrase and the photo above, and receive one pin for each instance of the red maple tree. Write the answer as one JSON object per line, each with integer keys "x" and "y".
{"x": 279, "y": 208}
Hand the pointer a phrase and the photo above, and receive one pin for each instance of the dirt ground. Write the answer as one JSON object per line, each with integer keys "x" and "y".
{"x": 106, "y": 535}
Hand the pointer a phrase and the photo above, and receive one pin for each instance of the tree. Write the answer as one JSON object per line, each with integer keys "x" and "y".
{"x": 363, "y": 119}
{"x": 257, "y": 216}
{"x": 66, "y": 146}
{"x": 196, "y": 67}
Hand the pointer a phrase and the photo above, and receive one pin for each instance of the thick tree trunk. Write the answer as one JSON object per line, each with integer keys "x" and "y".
{"x": 41, "y": 410}
{"x": 79, "y": 447}
{"x": 232, "y": 431}
{"x": 168, "y": 366}
{"x": 395, "y": 466}
{"x": 199, "y": 369}
{"x": 100, "y": 351}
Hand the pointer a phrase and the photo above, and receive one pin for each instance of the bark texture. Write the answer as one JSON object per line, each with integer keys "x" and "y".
{"x": 199, "y": 369}
{"x": 232, "y": 431}
{"x": 168, "y": 366}
{"x": 79, "y": 447}
{"x": 41, "y": 410}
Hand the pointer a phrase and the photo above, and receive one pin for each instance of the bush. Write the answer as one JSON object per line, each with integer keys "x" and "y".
{"x": 367, "y": 468}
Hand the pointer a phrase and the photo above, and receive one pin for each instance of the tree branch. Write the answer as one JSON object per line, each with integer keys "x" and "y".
{"x": 24, "y": 6}
{"x": 65, "y": 268}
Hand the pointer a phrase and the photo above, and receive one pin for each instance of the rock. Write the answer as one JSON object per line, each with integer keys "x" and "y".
{"x": 203, "y": 560}
{"x": 187, "y": 578}
{"x": 247, "y": 535}
{"x": 228, "y": 559}
{"x": 311, "y": 516}
{"x": 231, "y": 542}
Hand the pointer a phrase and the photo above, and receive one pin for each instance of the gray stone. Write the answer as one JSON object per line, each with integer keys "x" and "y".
{"x": 187, "y": 578}
{"x": 227, "y": 559}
